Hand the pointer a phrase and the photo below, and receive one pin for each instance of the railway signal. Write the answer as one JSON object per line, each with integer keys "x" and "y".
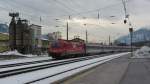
{"x": 131, "y": 38}
{"x": 125, "y": 21}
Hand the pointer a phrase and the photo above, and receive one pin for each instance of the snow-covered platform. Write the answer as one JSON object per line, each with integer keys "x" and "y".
{"x": 123, "y": 70}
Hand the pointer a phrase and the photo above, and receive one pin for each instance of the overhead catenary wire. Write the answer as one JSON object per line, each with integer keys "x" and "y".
{"x": 75, "y": 13}
{"x": 127, "y": 16}
{"x": 61, "y": 3}
{"x": 72, "y": 14}
{"x": 125, "y": 9}
{"x": 75, "y": 3}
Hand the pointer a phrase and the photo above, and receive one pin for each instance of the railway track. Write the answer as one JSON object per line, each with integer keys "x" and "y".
{"x": 38, "y": 65}
{"x": 39, "y": 61}
{"x": 38, "y": 74}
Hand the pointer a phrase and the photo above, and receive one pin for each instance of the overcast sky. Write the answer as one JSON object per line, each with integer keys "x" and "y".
{"x": 81, "y": 12}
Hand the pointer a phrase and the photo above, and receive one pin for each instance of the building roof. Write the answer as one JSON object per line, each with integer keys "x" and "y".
{"x": 35, "y": 25}
{"x": 46, "y": 37}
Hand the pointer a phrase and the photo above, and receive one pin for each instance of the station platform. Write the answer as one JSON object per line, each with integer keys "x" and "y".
{"x": 123, "y": 70}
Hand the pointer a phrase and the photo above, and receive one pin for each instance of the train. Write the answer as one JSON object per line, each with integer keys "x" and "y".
{"x": 61, "y": 48}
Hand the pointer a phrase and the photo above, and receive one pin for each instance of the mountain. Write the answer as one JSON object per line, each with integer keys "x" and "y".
{"x": 141, "y": 35}
{"x": 4, "y": 28}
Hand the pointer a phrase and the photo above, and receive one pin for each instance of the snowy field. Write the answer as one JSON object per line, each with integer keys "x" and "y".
{"x": 144, "y": 52}
{"x": 76, "y": 67}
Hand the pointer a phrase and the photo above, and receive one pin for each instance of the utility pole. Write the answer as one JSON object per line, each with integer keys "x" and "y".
{"x": 67, "y": 30}
{"x": 86, "y": 36}
{"x": 109, "y": 40}
{"x": 67, "y": 33}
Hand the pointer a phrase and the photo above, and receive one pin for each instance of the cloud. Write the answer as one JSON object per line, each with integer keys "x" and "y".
{"x": 99, "y": 29}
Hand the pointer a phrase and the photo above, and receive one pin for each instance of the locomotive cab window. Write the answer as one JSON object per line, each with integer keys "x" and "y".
{"x": 55, "y": 44}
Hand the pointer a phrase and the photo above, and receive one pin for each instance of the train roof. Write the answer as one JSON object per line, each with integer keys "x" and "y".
{"x": 73, "y": 40}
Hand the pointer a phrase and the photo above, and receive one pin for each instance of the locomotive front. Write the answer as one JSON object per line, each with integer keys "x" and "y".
{"x": 55, "y": 49}
{"x": 66, "y": 49}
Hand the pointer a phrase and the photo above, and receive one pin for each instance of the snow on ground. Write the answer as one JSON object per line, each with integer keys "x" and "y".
{"x": 14, "y": 61}
{"x": 15, "y": 52}
{"x": 26, "y": 77}
{"x": 30, "y": 57}
{"x": 30, "y": 60}
{"x": 144, "y": 52}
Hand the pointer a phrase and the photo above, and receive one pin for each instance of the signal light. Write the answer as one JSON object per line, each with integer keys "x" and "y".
{"x": 125, "y": 21}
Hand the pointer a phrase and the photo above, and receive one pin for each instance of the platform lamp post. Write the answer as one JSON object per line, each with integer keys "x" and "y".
{"x": 131, "y": 38}
{"x": 86, "y": 34}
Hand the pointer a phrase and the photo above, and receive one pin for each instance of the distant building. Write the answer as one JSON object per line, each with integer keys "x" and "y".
{"x": 50, "y": 36}
{"x": 47, "y": 39}
{"x": 23, "y": 36}
{"x": 20, "y": 36}
{"x": 45, "y": 43}
{"x": 36, "y": 35}
{"x": 56, "y": 35}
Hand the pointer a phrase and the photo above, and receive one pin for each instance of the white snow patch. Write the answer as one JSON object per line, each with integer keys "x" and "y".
{"x": 14, "y": 61}
{"x": 15, "y": 52}
{"x": 144, "y": 52}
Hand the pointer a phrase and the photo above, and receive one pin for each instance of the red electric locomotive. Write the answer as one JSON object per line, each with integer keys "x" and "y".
{"x": 76, "y": 47}
{"x": 66, "y": 48}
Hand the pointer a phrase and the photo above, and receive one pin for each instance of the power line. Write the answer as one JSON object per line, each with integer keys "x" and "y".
{"x": 126, "y": 14}
{"x": 76, "y": 13}
{"x": 73, "y": 2}
{"x": 64, "y": 5}
{"x": 98, "y": 9}
{"x": 84, "y": 12}
{"x": 50, "y": 2}
{"x": 89, "y": 11}
{"x": 124, "y": 6}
